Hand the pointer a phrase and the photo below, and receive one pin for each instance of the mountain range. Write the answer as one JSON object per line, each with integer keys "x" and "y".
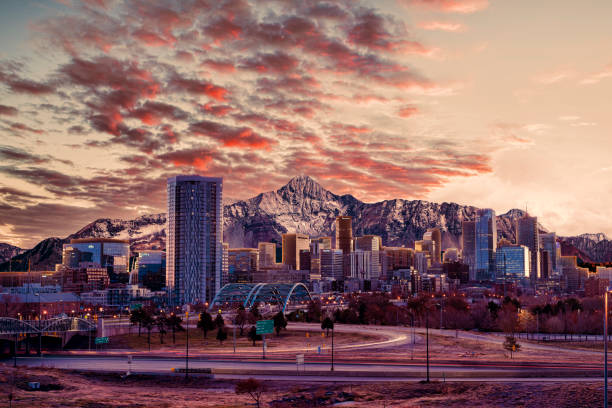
{"x": 304, "y": 206}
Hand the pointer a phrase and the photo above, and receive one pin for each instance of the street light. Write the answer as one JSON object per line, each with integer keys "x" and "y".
{"x": 605, "y": 335}
{"x": 427, "y": 336}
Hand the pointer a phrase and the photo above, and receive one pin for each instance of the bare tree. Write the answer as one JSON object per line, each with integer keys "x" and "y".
{"x": 253, "y": 387}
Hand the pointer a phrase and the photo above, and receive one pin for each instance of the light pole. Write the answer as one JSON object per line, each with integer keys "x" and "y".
{"x": 332, "y": 367}
{"x": 605, "y": 334}
{"x": 427, "y": 339}
{"x": 427, "y": 336}
{"x": 39, "y": 328}
{"x": 187, "y": 345}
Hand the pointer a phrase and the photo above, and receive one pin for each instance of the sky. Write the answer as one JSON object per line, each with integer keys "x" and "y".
{"x": 492, "y": 103}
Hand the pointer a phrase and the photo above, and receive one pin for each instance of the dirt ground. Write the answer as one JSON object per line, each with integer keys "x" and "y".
{"x": 71, "y": 389}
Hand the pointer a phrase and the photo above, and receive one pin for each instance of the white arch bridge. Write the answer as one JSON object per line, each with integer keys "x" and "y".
{"x": 247, "y": 294}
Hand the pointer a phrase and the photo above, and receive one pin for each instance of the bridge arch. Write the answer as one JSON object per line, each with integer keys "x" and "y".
{"x": 248, "y": 294}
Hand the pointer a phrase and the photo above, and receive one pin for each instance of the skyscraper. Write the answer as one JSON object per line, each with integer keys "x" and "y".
{"x": 344, "y": 241}
{"x": 486, "y": 242}
{"x": 548, "y": 242}
{"x": 512, "y": 262}
{"x": 373, "y": 244}
{"x": 527, "y": 234}
{"x": 316, "y": 245}
{"x": 267, "y": 254}
{"x": 331, "y": 264}
{"x": 468, "y": 252}
{"x": 292, "y": 244}
{"x": 194, "y": 238}
{"x": 344, "y": 234}
{"x": 435, "y": 235}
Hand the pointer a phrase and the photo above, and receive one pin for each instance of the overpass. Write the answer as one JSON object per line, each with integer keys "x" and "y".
{"x": 16, "y": 330}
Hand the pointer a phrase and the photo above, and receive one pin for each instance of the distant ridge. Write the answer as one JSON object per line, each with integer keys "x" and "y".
{"x": 304, "y": 206}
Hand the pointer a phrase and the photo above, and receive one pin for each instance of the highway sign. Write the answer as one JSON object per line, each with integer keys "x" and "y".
{"x": 264, "y": 326}
{"x": 101, "y": 340}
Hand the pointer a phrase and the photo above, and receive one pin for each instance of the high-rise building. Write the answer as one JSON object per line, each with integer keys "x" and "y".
{"x": 451, "y": 255}
{"x": 368, "y": 243}
{"x": 331, "y": 264}
{"x": 110, "y": 254}
{"x": 361, "y": 265}
{"x": 344, "y": 234}
{"x": 427, "y": 246}
{"x": 527, "y": 234}
{"x": 305, "y": 258}
{"x": 373, "y": 244}
{"x": 548, "y": 242}
{"x": 344, "y": 240}
{"x": 545, "y": 264}
{"x": 267, "y": 254}
{"x": 243, "y": 263}
{"x": 512, "y": 262}
{"x": 435, "y": 235}
{"x": 421, "y": 261}
{"x": 224, "y": 264}
{"x": 316, "y": 245}
{"x": 292, "y": 244}
{"x": 486, "y": 242}
{"x": 151, "y": 267}
{"x": 468, "y": 251}
{"x": 194, "y": 251}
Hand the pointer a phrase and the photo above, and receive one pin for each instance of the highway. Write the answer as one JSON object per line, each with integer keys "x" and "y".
{"x": 319, "y": 370}
{"x": 362, "y": 365}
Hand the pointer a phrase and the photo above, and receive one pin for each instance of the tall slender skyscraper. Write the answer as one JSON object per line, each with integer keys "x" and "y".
{"x": 468, "y": 252}
{"x": 194, "y": 238}
{"x": 527, "y": 234}
{"x": 486, "y": 243}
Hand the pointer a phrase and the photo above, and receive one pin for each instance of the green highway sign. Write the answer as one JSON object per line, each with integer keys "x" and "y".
{"x": 101, "y": 340}
{"x": 264, "y": 326}
{"x": 136, "y": 306}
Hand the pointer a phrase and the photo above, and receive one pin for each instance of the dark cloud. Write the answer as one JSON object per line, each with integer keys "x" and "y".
{"x": 8, "y": 110}
{"x": 230, "y": 136}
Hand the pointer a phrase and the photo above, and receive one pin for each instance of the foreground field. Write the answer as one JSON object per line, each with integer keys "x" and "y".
{"x": 72, "y": 389}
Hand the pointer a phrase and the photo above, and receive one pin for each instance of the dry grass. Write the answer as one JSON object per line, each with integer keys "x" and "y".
{"x": 197, "y": 342}
{"x": 111, "y": 390}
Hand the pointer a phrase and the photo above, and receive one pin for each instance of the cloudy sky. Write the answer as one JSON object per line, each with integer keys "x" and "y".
{"x": 494, "y": 103}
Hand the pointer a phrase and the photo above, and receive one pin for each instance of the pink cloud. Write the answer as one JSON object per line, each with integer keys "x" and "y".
{"x": 441, "y": 26}
{"x": 230, "y": 136}
{"x": 407, "y": 111}
{"x": 451, "y": 6}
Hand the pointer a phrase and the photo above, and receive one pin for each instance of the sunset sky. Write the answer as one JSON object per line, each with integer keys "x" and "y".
{"x": 500, "y": 103}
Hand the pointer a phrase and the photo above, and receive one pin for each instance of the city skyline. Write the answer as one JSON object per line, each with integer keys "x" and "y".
{"x": 434, "y": 100}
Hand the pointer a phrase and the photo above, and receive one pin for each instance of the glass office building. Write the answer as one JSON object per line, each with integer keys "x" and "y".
{"x": 194, "y": 251}
{"x": 152, "y": 269}
{"x": 486, "y": 242}
{"x": 513, "y": 262}
{"x": 112, "y": 254}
